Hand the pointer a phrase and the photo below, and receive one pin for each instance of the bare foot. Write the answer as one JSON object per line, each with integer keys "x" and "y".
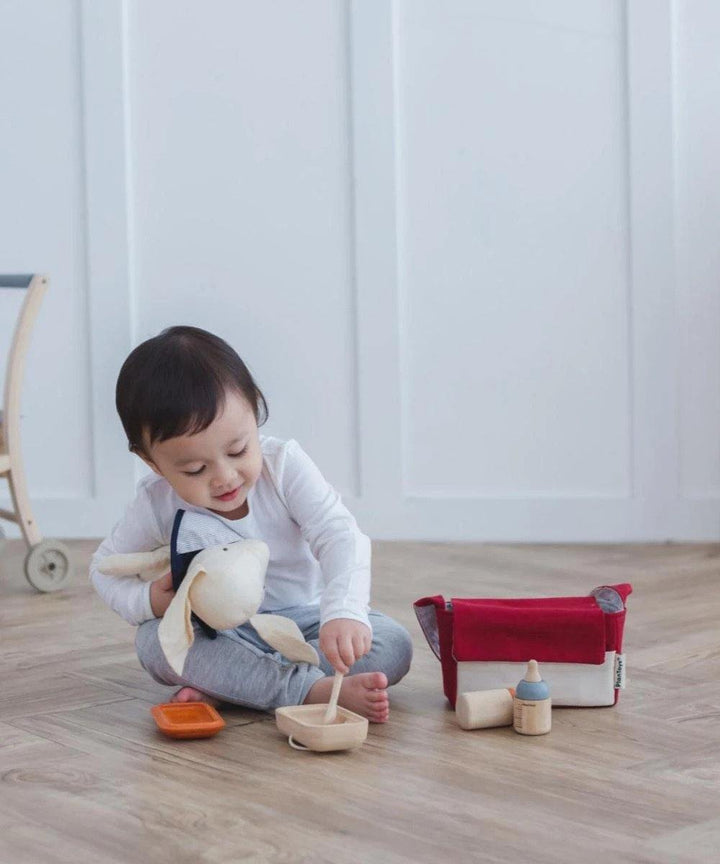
{"x": 190, "y": 694}
{"x": 364, "y": 693}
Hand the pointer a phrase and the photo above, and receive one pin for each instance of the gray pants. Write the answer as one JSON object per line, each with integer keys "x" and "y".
{"x": 240, "y": 667}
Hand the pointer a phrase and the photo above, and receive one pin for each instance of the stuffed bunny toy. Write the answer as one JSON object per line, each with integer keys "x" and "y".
{"x": 222, "y": 584}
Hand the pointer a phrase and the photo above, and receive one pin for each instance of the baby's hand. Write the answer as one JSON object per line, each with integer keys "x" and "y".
{"x": 343, "y": 641}
{"x": 161, "y": 593}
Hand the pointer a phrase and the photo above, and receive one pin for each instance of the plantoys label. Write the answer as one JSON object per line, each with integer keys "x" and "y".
{"x": 619, "y": 671}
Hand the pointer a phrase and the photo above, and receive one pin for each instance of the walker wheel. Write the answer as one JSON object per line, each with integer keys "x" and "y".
{"x": 47, "y": 566}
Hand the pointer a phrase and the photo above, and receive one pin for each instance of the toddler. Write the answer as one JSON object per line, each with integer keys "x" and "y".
{"x": 191, "y": 411}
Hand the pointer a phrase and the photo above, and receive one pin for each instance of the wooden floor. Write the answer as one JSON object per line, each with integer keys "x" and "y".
{"x": 85, "y": 776}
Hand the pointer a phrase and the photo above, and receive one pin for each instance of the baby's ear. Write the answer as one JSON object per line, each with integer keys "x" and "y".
{"x": 148, "y": 565}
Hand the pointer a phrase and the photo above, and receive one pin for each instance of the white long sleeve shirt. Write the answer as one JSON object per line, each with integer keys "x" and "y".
{"x": 317, "y": 553}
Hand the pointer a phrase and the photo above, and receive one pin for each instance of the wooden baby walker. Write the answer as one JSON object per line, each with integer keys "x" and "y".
{"x": 47, "y": 564}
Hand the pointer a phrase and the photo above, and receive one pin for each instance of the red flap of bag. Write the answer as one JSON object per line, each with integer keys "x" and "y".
{"x": 550, "y": 630}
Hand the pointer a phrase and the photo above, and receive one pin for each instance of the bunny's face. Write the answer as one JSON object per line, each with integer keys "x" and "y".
{"x": 228, "y": 582}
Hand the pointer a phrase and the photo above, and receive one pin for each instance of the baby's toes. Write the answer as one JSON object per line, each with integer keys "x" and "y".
{"x": 379, "y": 715}
{"x": 377, "y": 696}
{"x": 375, "y": 681}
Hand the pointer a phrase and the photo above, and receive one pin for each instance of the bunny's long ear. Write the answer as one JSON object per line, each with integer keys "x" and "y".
{"x": 148, "y": 565}
{"x": 175, "y": 631}
{"x": 284, "y": 635}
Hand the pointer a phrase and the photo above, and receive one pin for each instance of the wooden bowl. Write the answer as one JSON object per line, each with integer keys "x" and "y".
{"x": 187, "y": 719}
{"x": 303, "y": 724}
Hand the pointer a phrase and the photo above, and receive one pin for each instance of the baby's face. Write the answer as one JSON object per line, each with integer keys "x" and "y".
{"x": 215, "y": 468}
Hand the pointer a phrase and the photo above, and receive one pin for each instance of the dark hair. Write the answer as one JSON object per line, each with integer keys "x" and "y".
{"x": 174, "y": 384}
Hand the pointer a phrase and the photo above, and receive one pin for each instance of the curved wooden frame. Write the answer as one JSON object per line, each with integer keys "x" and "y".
{"x": 10, "y": 448}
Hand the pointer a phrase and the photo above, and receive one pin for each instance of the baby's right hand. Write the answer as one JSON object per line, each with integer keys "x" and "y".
{"x": 161, "y": 593}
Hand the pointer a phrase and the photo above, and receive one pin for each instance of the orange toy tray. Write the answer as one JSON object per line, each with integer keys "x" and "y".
{"x": 187, "y": 719}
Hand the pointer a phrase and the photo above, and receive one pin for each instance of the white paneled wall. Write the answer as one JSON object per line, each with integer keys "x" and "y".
{"x": 43, "y": 228}
{"x": 513, "y": 251}
{"x": 697, "y": 172}
{"x": 469, "y": 248}
{"x": 242, "y": 200}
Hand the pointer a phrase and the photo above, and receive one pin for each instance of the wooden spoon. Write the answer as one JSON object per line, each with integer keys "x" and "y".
{"x": 331, "y": 710}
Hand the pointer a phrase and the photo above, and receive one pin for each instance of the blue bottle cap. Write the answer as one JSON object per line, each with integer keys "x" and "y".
{"x": 532, "y": 687}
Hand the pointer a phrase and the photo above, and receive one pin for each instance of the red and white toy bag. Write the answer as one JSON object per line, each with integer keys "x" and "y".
{"x": 486, "y": 644}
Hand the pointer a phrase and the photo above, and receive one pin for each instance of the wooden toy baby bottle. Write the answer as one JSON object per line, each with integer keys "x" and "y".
{"x": 532, "y": 704}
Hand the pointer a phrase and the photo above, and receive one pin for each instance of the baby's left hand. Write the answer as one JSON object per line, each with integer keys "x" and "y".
{"x": 343, "y": 641}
